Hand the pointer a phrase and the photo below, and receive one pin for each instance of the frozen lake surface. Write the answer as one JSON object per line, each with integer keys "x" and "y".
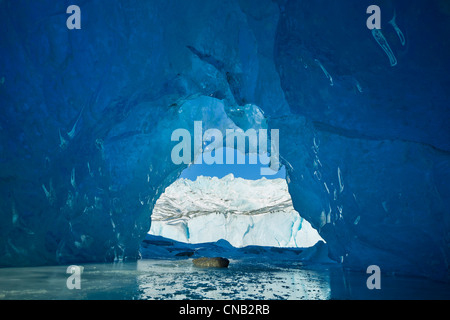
{"x": 171, "y": 279}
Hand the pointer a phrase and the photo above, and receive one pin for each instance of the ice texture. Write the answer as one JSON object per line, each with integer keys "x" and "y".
{"x": 397, "y": 29}
{"x": 381, "y": 40}
{"x": 329, "y": 77}
{"x": 242, "y": 212}
{"x": 86, "y": 118}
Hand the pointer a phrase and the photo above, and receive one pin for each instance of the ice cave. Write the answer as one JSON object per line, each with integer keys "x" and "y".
{"x": 88, "y": 116}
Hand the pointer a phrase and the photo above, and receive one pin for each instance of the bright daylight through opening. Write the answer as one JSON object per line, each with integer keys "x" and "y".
{"x": 212, "y": 203}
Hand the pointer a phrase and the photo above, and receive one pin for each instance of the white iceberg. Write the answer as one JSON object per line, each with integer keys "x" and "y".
{"x": 243, "y": 212}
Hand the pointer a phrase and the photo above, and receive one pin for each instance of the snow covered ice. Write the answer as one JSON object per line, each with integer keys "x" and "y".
{"x": 243, "y": 212}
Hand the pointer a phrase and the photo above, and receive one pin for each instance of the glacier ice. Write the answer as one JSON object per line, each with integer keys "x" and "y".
{"x": 99, "y": 105}
{"x": 325, "y": 71}
{"x": 379, "y": 37}
{"x": 399, "y": 32}
{"x": 242, "y": 212}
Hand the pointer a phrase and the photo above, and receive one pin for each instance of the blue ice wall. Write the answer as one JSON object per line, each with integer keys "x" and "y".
{"x": 379, "y": 133}
{"x": 86, "y": 118}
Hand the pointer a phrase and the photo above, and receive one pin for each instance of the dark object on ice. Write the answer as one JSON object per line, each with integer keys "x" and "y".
{"x": 216, "y": 262}
{"x": 185, "y": 254}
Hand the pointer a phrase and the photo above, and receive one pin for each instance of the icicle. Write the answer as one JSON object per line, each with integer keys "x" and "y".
{"x": 341, "y": 183}
{"x": 326, "y": 187}
{"x": 318, "y": 175}
{"x": 15, "y": 215}
{"x": 47, "y": 193}
{"x": 16, "y": 249}
{"x": 397, "y": 29}
{"x": 63, "y": 142}
{"x": 71, "y": 133}
{"x": 358, "y": 86}
{"x": 72, "y": 179}
{"x": 379, "y": 37}
{"x": 317, "y": 163}
{"x": 384, "y": 206}
{"x": 328, "y": 218}
{"x": 89, "y": 169}
{"x": 50, "y": 193}
{"x": 325, "y": 72}
{"x": 316, "y": 143}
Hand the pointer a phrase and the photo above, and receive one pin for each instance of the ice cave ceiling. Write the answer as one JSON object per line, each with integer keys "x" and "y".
{"x": 86, "y": 118}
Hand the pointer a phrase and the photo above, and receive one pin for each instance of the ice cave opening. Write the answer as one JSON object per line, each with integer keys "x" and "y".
{"x": 210, "y": 203}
